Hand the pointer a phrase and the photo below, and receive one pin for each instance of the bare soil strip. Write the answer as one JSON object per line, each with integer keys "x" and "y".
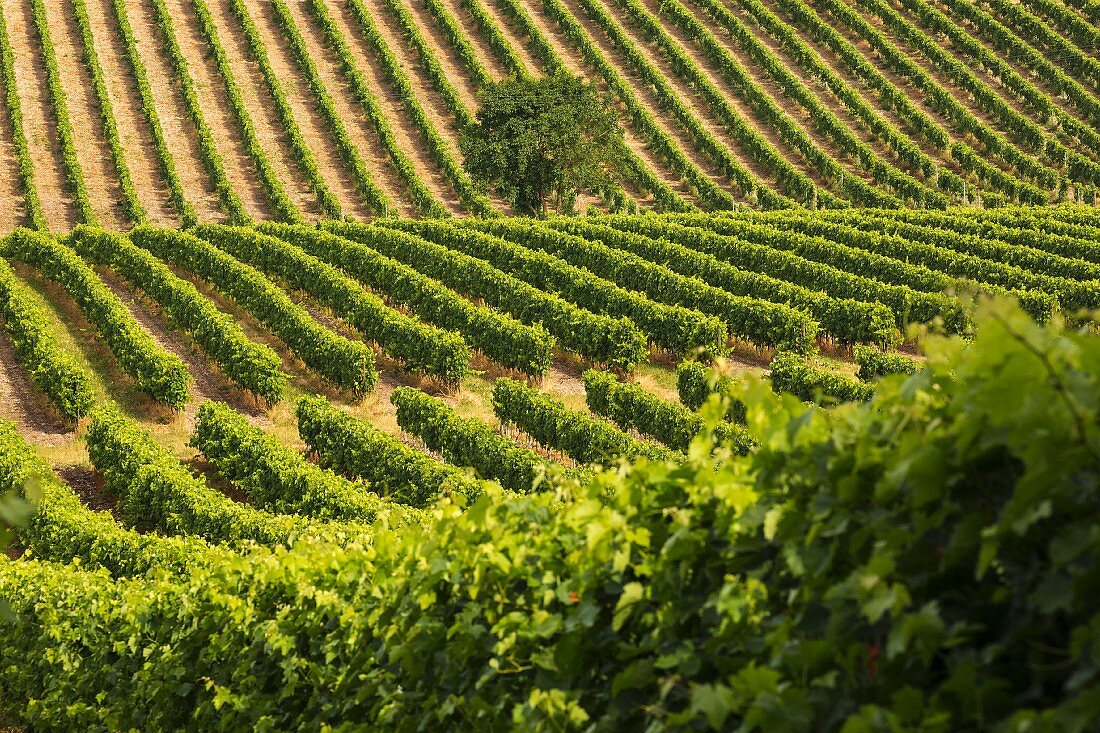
{"x": 642, "y": 90}
{"x": 179, "y": 132}
{"x": 239, "y": 169}
{"x": 473, "y": 34}
{"x": 406, "y": 133}
{"x": 699, "y": 106}
{"x": 959, "y": 94}
{"x": 359, "y": 128}
{"x": 92, "y": 149}
{"x": 13, "y": 212}
{"x": 314, "y": 129}
{"x": 30, "y": 77}
{"x": 820, "y": 90}
{"x": 133, "y": 131}
{"x": 830, "y": 59}
{"x": 261, "y": 108}
{"x": 519, "y": 41}
{"x": 22, "y": 404}
{"x": 444, "y": 54}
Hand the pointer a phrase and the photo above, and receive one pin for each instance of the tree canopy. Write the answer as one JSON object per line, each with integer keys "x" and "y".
{"x": 540, "y": 142}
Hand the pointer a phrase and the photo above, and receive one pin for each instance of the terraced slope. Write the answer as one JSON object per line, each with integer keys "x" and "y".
{"x": 119, "y": 112}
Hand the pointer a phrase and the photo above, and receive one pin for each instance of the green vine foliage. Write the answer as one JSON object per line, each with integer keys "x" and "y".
{"x": 159, "y": 373}
{"x": 925, "y": 561}
{"x": 56, "y": 373}
{"x": 358, "y": 450}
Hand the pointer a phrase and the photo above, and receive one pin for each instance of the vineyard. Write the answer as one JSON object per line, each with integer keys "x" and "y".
{"x": 794, "y": 427}
{"x": 119, "y": 113}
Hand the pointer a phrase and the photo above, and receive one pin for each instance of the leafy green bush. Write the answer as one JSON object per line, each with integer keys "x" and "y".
{"x": 579, "y": 435}
{"x": 878, "y": 363}
{"x": 633, "y": 408}
{"x": 357, "y": 449}
{"x": 277, "y": 477}
{"x": 928, "y": 562}
{"x": 794, "y": 374}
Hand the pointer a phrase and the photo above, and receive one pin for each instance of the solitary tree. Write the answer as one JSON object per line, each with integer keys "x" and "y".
{"x": 539, "y": 142}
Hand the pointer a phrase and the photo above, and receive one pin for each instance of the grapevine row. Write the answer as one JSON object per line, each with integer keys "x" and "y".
{"x": 846, "y": 320}
{"x": 710, "y": 194}
{"x": 1071, "y": 294}
{"x": 62, "y": 529}
{"x": 695, "y": 383}
{"x": 670, "y": 327}
{"x": 277, "y": 478}
{"x": 211, "y": 158}
{"x": 375, "y": 197}
{"x": 491, "y": 33}
{"x": 469, "y": 441}
{"x": 888, "y": 278}
{"x": 1009, "y": 43}
{"x": 131, "y": 206}
{"x": 252, "y": 366}
{"x": 345, "y": 363}
{"x": 898, "y": 100}
{"x": 907, "y": 151}
{"x": 152, "y": 118}
{"x": 54, "y": 372}
{"x": 422, "y": 198}
{"x": 757, "y": 321}
{"x": 327, "y": 202}
{"x": 66, "y": 138}
{"x": 816, "y": 265}
{"x": 358, "y": 450}
{"x": 664, "y": 197}
{"x": 793, "y": 374}
{"x": 421, "y": 347}
{"x": 613, "y": 341}
{"x": 497, "y": 335}
{"x": 284, "y": 208}
{"x": 33, "y": 215}
{"x": 882, "y": 172}
{"x": 474, "y": 200}
{"x": 160, "y": 374}
{"x": 633, "y": 408}
{"x": 765, "y": 107}
{"x": 582, "y": 437}
{"x": 875, "y": 363}
{"x": 156, "y": 490}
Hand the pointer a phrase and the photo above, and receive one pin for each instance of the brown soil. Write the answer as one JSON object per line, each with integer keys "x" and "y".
{"x": 179, "y": 131}
{"x": 831, "y": 60}
{"x": 24, "y": 405}
{"x": 360, "y": 131}
{"x": 13, "y": 213}
{"x": 89, "y": 486}
{"x": 210, "y": 88}
{"x": 30, "y": 82}
{"x": 134, "y": 134}
{"x": 209, "y": 382}
{"x": 269, "y": 129}
{"x": 1009, "y": 96}
{"x": 699, "y": 107}
{"x": 408, "y": 137}
{"x": 444, "y": 54}
{"x": 821, "y": 92}
{"x": 642, "y": 90}
{"x": 92, "y": 150}
{"x": 314, "y": 129}
{"x": 472, "y": 32}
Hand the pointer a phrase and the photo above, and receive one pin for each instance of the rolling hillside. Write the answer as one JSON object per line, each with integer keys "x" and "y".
{"x": 301, "y": 427}
{"x": 120, "y": 112}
